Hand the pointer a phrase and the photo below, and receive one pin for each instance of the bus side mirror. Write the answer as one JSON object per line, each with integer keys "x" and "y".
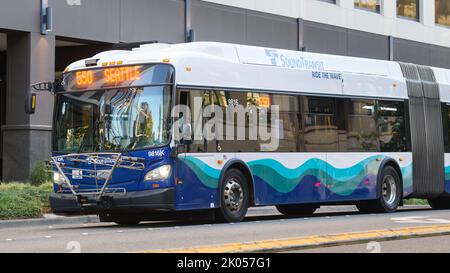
{"x": 43, "y": 86}
{"x": 30, "y": 104}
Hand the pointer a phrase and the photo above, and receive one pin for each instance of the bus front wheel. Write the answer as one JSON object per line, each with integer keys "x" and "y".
{"x": 390, "y": 194}
{"x": 234, "y": 197}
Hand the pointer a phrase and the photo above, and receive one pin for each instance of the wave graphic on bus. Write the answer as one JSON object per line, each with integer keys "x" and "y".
{"x": 340, "y": 181}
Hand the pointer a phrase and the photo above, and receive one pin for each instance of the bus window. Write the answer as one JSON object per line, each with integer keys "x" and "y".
{"x": 74, "y": 127}
{"x": 288, "y": 121}
{"x": 321, "y": 130}
{"x": 362, "y": 134}
{"x": 195, "y": 100}
{"x": 391, "y": 126}
{"x": 238, "y": 140}
{"x": 258, "y": 106}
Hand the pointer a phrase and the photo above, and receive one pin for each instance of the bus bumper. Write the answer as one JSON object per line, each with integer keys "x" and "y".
{"x": 159, "y": 199}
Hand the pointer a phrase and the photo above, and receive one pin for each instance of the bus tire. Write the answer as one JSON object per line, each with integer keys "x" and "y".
{"x": 120, "y": 219}
{"x": 234, "y": 197}
{"x": 297, "y": 210}
{"x": 127, "y": 221}
{"x": 439, "y": 203}
{"x": 390, "y": 194}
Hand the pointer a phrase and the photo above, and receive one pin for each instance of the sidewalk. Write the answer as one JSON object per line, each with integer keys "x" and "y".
{"x": 49, "y": 219}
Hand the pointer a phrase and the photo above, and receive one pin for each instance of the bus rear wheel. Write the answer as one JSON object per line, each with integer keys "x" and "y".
{"x": 234, "y": 197}
{"x": 439, "y": 203}
{"x": 297, "y": 210}
{"x": 389, "y": 194}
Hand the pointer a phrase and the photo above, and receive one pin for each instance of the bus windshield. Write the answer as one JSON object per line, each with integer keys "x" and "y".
{"x": 112, "y": 120}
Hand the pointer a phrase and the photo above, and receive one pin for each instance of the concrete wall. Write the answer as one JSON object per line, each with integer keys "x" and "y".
{"x": 27, "y": 139}
{"x": 213, "y": 22}
{"x": 343, "y": 14}
{"x": 322, "y": 38}
{"x": 327, "y": 28}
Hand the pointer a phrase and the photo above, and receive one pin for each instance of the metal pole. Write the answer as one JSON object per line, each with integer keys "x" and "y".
{"x": 188, "y": 20}
{"x": 391, "y": 48}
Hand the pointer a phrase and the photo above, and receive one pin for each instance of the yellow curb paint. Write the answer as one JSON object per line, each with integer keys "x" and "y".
{"x": 316, "y": 241}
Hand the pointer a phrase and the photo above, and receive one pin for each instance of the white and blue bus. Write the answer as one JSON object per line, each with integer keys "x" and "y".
{"x": 348, "y": 131}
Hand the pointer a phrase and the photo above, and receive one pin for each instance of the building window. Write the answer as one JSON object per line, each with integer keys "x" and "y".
{"x": 371, "y": 5}
{"x": 443, "y": 12}
{"x": 408, "y": 9}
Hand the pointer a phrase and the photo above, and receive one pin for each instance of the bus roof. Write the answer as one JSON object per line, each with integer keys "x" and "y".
{"x": 232, "y": 66}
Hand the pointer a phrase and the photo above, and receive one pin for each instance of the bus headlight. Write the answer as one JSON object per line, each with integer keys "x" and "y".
{"x": 58, "y": 178}
{"x": 160, "y": 173}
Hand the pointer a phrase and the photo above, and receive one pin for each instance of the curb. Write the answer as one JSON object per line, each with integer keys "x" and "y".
{"x": 309, "y": 242}
{"x": 51, "y": 220}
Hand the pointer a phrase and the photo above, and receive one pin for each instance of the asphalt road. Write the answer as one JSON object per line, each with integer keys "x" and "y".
{"x": 440, "y": 244}
{"x": 261, "y": 224}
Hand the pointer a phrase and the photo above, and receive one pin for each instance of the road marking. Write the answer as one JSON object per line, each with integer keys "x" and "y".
{"x": 84, "y": 234}
{"x": 419, "y": 220}
{"x": 316, "y": 241}
{"x": 48, "y": 237}
{"x": 9, "y": 239}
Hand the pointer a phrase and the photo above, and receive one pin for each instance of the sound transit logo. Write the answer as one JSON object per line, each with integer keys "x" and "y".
{"x": 278, "y": 59}
{"x": 73, "y": 2}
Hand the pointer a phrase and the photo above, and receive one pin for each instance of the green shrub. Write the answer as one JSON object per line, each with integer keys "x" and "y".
{"x": 416, "y": 202}
{"x": 39, "y": 174}
{"x": 20, "y": 200}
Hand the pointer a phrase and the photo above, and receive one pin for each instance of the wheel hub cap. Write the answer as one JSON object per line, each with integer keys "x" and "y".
{"x": 234, "y": 195}
{"x": 389, "y": 190}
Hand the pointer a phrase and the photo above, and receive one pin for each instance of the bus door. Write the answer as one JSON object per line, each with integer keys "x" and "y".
{"x": 320, "y": 136}
{"x": 197, "y": 189}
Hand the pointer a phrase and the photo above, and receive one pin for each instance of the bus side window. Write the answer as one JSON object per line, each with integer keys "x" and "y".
{"x": 321, "y": 130}
{"x": 190, "y": 98}
{"x": 362, "y": 134}
{"x": 391, "y": 126}
{"x": 183, "y": 98}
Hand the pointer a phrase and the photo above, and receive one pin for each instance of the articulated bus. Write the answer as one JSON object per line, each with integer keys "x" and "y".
{"x": 130, "y": 132}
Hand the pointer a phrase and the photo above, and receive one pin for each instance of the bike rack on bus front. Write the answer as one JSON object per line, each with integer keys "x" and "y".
{"x": 110, "y": 161}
